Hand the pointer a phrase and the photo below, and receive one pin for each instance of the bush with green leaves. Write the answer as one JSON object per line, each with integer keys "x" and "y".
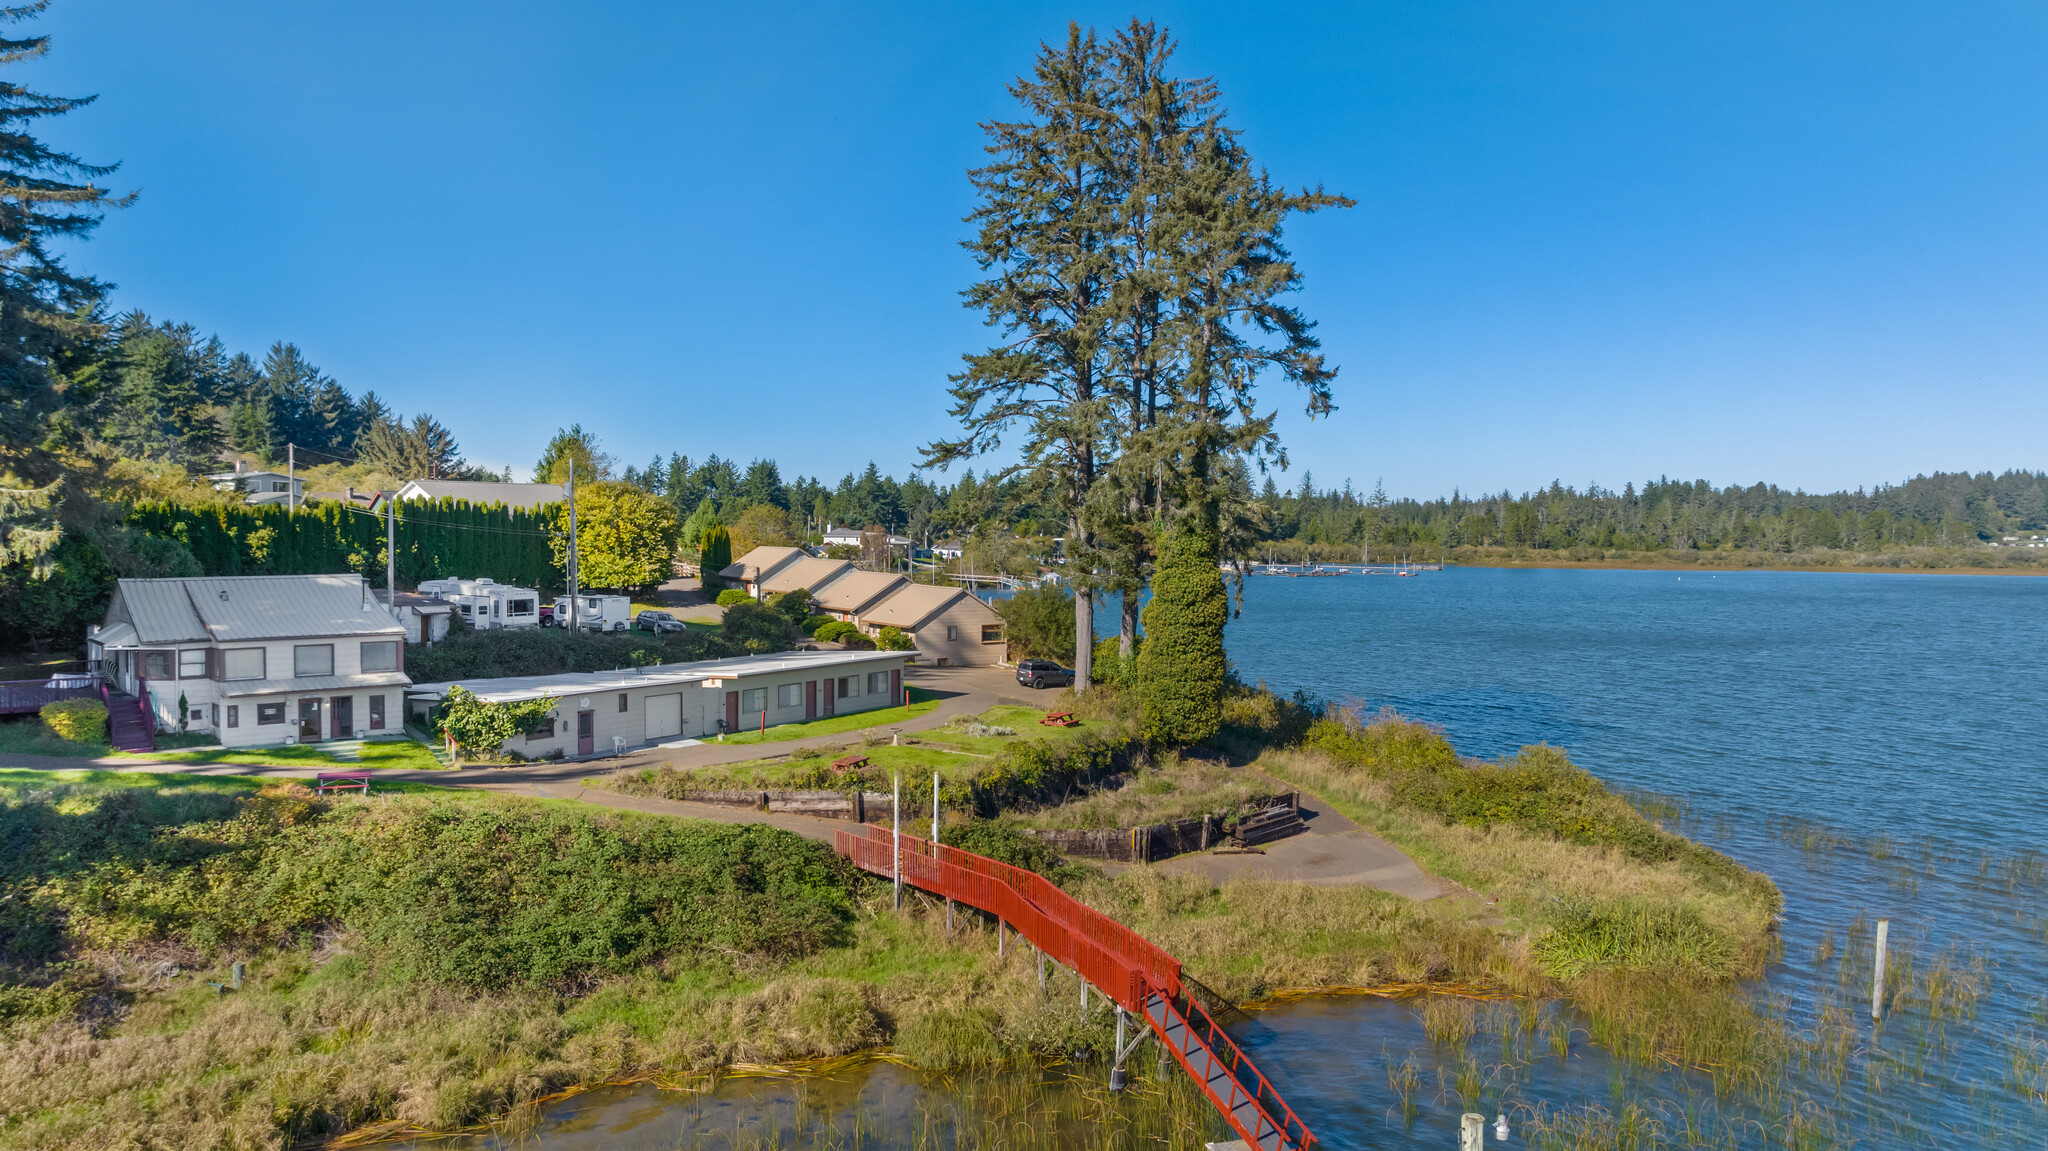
{"x": 548, "y": 650}
{"x": 482, "y": 727}
{"x": 733, "y": 595}
{"x": 833, "y": 630}
{"x": 77, "y": 720}
{"x": 473, "y": 891}
{"x": 1039, "y": 623}
{"x": 759, "y": 629}
{"x": 795, "y": 603}
{"x": 893, "y": 639}
{"x": 811, "y": 624}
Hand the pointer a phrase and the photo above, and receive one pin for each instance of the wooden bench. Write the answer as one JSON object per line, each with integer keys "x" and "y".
{"x": 340, "y": 779}
{"x": 1059, "y": 719}
{"x": 849, "y": 763}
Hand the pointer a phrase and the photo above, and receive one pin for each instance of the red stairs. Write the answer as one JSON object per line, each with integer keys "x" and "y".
{"x": 1126, "y": 967}
{"x": 130, "y": 724}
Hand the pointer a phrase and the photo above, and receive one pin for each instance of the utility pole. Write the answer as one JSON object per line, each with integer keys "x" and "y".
{"x": 291, "y": 477}
{"x": 391, "y": 553}
{"x": 572, "y": 543}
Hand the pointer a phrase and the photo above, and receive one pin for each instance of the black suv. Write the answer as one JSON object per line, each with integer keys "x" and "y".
{"x": 1044, "y": 673}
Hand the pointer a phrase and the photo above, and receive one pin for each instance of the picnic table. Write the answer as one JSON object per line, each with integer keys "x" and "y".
{"x": 849, "y": 762}
{"x": 340, "y": 779}
{"x": 1059, "y": 719}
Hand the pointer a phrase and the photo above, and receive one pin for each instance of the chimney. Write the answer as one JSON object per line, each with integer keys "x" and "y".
{"x": 239, "y": 465}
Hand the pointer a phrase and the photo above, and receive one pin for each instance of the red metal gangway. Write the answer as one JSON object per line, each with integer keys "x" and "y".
{"x": 1125, "y": 966}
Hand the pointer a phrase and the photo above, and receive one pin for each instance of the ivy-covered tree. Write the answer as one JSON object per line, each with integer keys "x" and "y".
{"x": 1181, "y": 668}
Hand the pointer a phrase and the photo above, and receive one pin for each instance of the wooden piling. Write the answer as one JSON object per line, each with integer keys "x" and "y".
{"x": 1884, "y": 931}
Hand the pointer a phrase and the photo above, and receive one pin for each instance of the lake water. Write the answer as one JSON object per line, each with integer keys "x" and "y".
{"x": 1878, "y": 744}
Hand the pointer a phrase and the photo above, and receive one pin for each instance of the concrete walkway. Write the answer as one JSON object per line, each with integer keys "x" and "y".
{"x": 1333, "y": 852}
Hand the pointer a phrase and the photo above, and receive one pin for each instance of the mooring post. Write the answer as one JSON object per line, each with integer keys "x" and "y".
{"x": 896, "y": 838}
{"x": 1041, "y": 967}
{"x": 1084, "y": 993}
{"x": 1884, "y": 931}
{"x": 1472, "y": 1132}
{"x": 1000, "y": 953}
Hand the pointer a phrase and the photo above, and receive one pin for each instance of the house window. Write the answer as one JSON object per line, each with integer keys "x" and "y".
{"x": 269, "y": 713}
{"x": 192, "y": 663}
{"x": 952, "y": 632}
{"x": 878, "y": 683}
{"x": 991, "y": 633}
{"x": 544, "y": 731}
{"x": 622, "y": 701}
{"x": 277, "y": 485}
{"x": 789, "y": 695}
{"x": 377, "y": 713}
{"x": 849, "y": 686}
{"x": 754, "y": 699}
{"x": 234, "y": 715}
{"x": 313, "y": 659}
{"x": 380, "y": 655}
{"x": 156, "y": 664}
{"x": 242, "y": 663}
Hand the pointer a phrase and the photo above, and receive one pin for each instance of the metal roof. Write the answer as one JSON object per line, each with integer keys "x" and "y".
{"x": 245, "y": 609}
{"x": 235, "y": 689}
{"x": 483, "y": 492}
{"x": 513, "y": 688}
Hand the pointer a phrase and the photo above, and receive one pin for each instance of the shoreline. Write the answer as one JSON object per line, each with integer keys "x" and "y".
{"x": 1716, "y": 569}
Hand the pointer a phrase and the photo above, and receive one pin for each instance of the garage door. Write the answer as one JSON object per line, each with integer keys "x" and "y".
{"x": 664, "y": 716}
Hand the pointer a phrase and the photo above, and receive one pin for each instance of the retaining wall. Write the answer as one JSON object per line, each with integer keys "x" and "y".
{"x": 1149, "y": 843}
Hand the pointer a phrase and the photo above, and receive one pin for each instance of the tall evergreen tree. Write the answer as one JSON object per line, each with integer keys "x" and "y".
{"x": 592, "y": 464}
{"x": 1049, "y": 204}
{"x": 48, "y": 314}
{"x": 1181, "y": 670}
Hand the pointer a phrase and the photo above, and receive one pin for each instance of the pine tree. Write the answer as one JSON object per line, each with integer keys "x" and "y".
{"x": 715, "y": 556}
{"x": 49, "y": 315}
{"x": 574, "y": 443}
{"x": 1181, "y": 669}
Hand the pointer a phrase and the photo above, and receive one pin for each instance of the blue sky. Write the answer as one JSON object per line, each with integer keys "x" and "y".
{"x": 1739, "y": 241}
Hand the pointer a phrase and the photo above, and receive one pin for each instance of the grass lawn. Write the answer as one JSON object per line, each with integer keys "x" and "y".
{"x": 26, "y": 735}
{"x": 1023, "y": 719}
{"x": 403, "y": 754}
{"x": 218, "y": 784}
{"x": 921, "y": 703}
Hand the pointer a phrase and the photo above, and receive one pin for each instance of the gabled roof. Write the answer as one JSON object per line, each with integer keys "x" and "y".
{"x": 766, "y": 558}
{"x": 857, "y": 589}
{"x": 914, "y": 603}
{"x": 232, "y": 609}
{"x": 483, "y": 492}
{"x": 809, "y": 572}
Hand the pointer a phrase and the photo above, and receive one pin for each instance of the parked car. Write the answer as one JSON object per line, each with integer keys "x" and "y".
{"x": 657, "y": 622}
{"x": 1036, "y": 673}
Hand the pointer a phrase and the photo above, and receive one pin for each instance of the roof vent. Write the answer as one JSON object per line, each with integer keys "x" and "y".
{"x": 223, "y": 595}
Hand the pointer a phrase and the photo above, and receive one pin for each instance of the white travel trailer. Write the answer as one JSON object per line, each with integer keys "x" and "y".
{"x": 486, "y": 603}
{"x": 596, "y": 612}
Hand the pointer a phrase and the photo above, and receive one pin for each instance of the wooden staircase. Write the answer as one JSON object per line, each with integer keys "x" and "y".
{"x": 131, "y": 726}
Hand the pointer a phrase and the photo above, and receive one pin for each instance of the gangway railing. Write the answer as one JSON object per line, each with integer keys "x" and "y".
{"x": 1127, "y": 968}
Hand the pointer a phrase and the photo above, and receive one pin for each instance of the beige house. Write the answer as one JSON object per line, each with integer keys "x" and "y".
{"x": 949, "y": 626}
{"x": 258, "y": 660}
{"x": 602, "y": 712}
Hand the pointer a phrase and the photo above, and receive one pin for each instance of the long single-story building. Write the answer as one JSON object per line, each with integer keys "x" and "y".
{"x": 607, "y": 711}
{"x": 949, "y": 625}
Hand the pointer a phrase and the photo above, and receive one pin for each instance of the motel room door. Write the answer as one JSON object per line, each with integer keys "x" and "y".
{"x": 586, "y": 732}
{"x": 309, "y": 721}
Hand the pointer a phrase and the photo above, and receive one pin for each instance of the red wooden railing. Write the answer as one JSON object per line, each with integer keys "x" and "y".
{"x": 1128, "y": 968}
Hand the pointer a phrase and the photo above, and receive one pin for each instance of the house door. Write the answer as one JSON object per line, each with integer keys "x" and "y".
{"x": 732, "y": 711}
{"x": 811, "y": 699}
{"x": 309, "y": 721}
{"x": 344, "y": 709}
{"x": 586, "y": 732}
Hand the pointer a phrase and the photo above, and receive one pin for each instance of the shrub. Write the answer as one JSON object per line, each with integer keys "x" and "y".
{"x": 77, "y": 720}
{"x": 893, "y": 639}
{"x": 547, "y": 651}
{"x": 483, "y": 727}
{"x": 811, "y": 624}
{"x": 1039, "y": 623}
{"x": 796, "y": 604}
{"x": 733, "y": 595}
{"x": 832, "y": 630}
{"x": 759, "y": 629}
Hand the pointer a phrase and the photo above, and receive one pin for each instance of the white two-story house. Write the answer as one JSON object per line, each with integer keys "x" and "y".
{"x": 257, "y": 659}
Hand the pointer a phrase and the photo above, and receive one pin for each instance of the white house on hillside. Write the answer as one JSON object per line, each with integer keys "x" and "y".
{"x": 261, "y": 487}
{"x": 257, "y": 659}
